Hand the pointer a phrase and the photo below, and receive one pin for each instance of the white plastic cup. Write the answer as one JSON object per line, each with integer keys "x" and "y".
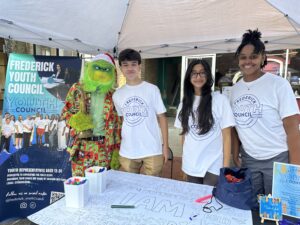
{"x": 76, "y": 195}
{"x": 97, "y": 180}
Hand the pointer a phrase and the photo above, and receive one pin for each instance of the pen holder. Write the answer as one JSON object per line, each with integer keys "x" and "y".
{"x": 97, "y": 179}
{"x": 76, "y": 192}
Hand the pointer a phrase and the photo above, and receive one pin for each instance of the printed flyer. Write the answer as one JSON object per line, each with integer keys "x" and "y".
{"x": 33, "y": 158}
{"x": 286, "y": 185}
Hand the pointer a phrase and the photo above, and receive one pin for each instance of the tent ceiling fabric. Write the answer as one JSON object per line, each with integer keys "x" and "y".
{"x": 85, "y": 26}
{"x": 157, "y": 28}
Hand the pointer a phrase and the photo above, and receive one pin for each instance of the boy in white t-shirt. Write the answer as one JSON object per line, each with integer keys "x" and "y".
{"x": 19, "y": 132}
{"x": 27, "y": 129}
{"x": 6, "y": 115}
{"x": 141, "y": 106}
{"x": 47, "y": 124}
{"x": 7, "y": 130}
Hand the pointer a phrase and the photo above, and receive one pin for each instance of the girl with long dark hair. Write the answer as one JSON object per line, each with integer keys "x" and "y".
{"x": 206, "y": 120}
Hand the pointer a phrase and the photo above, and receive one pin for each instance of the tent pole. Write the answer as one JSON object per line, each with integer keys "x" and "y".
{"x": 34, "y": 49}
{"x": 286, "y": 62}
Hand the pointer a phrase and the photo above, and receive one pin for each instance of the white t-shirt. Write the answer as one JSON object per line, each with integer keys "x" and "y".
{"x": 139, "y": 105}
{"x": 36, "y": 120}
{"x": 41, "y": 123}
{"x": 11, "y": 121}
{"x": 202, "y": 153}
{"x": 259, "y": 107}
{"x": 19, "y": 127}
{"x": 29, "y": 124}
{"x": 61, "y": 125}
{"x": 47, "y": 124}
{"x": 7, "y": 129}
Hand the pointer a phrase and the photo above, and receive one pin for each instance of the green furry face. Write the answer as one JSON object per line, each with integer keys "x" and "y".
{"x": 98, "y": 76}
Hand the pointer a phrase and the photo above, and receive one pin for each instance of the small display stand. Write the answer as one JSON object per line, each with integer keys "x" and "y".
{"x": 270, "y": 208}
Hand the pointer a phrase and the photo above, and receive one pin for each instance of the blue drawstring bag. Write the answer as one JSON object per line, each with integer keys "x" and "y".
{"x": 238, "y": 194}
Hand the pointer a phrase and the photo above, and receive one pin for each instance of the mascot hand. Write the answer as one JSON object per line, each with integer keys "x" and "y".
{"x": 81, "y": 122}
{"x": 115, "y": 163}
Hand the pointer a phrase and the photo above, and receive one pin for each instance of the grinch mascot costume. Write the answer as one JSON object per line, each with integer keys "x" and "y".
{"x": 95, "y": 127}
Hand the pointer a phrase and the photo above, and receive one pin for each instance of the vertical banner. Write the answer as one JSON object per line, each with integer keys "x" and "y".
{"x": 33, "y": 157}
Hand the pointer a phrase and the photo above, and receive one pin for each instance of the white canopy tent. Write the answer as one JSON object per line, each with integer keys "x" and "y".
{"x": 157, "y": 28}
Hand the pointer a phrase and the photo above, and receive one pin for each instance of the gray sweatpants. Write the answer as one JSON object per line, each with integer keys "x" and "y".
{"x": 262, "y": 171}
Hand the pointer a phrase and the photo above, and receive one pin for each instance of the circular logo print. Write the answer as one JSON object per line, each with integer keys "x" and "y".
{"x": 32, "y": 205}
{"x": 194, "y": 129}
{"x": 246, "y": 110}
{"x": 135, "y": 110}
{"x": 23, "y": 205}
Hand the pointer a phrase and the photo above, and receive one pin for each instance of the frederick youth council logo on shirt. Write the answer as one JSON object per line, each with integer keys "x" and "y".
{"x": 246, "y": 110}
{"x": 194, "y": 129}
{"x": 135, "y": 110}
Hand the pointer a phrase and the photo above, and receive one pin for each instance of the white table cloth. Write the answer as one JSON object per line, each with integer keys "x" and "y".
{"x": 157, "y": 201}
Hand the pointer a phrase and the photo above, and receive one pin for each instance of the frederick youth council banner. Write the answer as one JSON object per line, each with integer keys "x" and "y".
{"x": 33, "y": 158}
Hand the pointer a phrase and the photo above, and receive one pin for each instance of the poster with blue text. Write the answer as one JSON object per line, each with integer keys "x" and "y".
{"x": 286, "y": 185}
{"x": 34, "y": 138}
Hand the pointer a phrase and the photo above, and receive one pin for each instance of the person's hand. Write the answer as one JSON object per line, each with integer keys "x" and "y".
{"x": 81, "y": 122}
{"x": 237, "y": 161}
{"x": 166, "y": 153}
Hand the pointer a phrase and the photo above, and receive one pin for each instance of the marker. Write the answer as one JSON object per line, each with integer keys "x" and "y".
{"x": 101, "y": 169}
{"x": 123, "y": 206}
{"x": 97, "y": 171}
{"x": 76, "y": 181}
{"x": 202, "y": 199}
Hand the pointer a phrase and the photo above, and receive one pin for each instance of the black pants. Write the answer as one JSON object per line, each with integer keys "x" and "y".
{"x": 5, "y": 143}
{"x": 26, "y": 138}
{"x": 46, "y": 137}
{"x": 209, "y": 179}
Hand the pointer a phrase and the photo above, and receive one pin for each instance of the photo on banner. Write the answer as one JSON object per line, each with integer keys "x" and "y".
{"x": 286, "y": 183}
{"x": 33, "y": 157}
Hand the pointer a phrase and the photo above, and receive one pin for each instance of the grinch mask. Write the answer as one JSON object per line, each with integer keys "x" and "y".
{"x": 99, "y": 74}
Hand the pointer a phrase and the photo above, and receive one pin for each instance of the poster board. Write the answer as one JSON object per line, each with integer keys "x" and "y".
{"x": 34, "y": 164}
{"x": 286, "y": 185}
